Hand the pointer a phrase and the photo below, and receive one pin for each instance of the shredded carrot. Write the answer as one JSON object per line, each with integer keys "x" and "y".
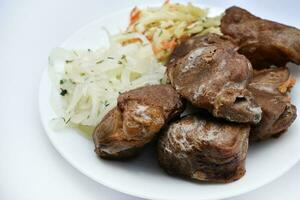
{"x": 132, "y": 40}
{"x": 169, "y": 44}
{"x": 134, "y": 15}
{"x": 149, "y": 37}
{"x": 156, "y": 50}
{"x": 287, "y": 85}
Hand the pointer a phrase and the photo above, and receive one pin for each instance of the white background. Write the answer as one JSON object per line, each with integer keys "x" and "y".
{"x": 30, "y": 168}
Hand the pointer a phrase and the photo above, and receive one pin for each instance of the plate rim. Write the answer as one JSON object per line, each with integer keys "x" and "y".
{"x": 85, "y": 172}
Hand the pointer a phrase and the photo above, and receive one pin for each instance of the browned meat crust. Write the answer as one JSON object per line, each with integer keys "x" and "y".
{"x": 139, "y": 116}
{"x": 278, "y": 112}
{"x": 203, "y": 148}
{"x": 207, "y": 71}
{"x": 263, "y": 42}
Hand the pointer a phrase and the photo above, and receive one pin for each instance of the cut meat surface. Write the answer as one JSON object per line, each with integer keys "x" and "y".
{"x": 139, "y": 116}
{"x": 207, "y": 71}
{"x": 278, "y": 112}
{"x": 203, "y": 148}
{"x": 263, "y": 42}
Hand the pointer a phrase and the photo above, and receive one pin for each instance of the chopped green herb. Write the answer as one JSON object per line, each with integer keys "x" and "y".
{"x": 89, "y": 50}
{"x": 68, "y": 120}
{"x": 161, "y": 32}
{"x": 99, "y": 62}
{"x": 63, "y": 92}
{"x": 124, "y": 58}
{"x": 82, "y": 74}
{"x": 106, "y": 104}
{"x": 69, "y": 61}
{"x": 75, "y": 53}
{"x": 61, "y": 82}
{"x": 120, "y": 92}
{"x": 120, "y": 62}
{"x": 110, "y": 58}
{"x": 88, "y": 116}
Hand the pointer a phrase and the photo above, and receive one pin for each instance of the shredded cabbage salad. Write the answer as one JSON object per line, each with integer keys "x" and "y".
{"x": 168, "y": 25}
{"x": 88, "y": 82}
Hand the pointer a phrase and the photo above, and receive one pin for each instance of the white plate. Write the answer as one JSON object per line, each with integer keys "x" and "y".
{"x": 142, "y": 177}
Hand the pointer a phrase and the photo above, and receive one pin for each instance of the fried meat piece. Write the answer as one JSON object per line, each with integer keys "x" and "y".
{"x": 207, "y": 71}
{"x": 204, "y": 148}
{"x": 138, "y": 117}
{"x": 278, "y": 112}
{"x": 262, "y": 41}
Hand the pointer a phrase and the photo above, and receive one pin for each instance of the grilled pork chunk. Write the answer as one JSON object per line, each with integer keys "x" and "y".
{"x": 262, "y": 41}
{"x": 139, "y": 116}
{"x": 270, "y": 87}
{"x": 208, "y": 72}
{"x": 204, "y": 148}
